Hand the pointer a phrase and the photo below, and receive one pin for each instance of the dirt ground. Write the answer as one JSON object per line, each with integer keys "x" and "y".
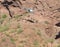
{"x": 30, "y": 29}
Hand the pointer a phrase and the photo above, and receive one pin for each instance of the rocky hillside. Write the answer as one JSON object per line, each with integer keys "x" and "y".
{"x": 29, "y": 23}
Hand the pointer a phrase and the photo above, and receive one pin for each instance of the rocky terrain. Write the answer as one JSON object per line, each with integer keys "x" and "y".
{"x": 29, "y": 23}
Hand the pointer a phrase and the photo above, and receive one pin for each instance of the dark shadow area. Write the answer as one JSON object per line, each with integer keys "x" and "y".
{"x": 58, "y": 24}
{"x": 24, "y": 0}
{"x": 30, "y": 21}
{"x": 6, "y": 4}
{"x": 58, "y": 9}
{"x": 57, "y": 36}
{"x": 16, "y": 2}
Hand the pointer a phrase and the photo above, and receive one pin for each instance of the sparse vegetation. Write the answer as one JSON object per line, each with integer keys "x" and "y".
{"x": 58, "y": 45}
{"x": 29, "y": 23}
{"x": 13, "y": 30}
{"x": 36, "y": 43}
{"x": 12, "y": 40}
{"x": 4, "y": 16}
{"x": 46, "y": 22}
{"x": 18, "y": 16}
{"x": 21, "y": 46}
{"x": 18, "y": 25}
{"x": 51, "y": 40}
{"x": 22, "y": 42}
{"x": 39, "y": 32}
{"x": 6, "y": 34}
{"x": 1, "y": 20}
{"x": 19, "y": 30}
{"x": 3, "y": 39}
{"x": 4, "y": 28}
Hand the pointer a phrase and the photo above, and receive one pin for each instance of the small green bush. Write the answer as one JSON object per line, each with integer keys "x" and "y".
{"x": 39, "y": 32}
{"x": 4, "y": 39}
{"x": 46, "y": 22}
{"x": 19, "y": 30}
{"x": 3, "y": 28}
{"x": 1, "y": 20}
{"x": 12, "y": 40}
{"x": 18, "y": 16}
{"x": 36, "y": 43}
{"x": 4, "y": 16}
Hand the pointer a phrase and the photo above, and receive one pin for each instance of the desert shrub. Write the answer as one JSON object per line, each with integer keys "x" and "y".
{"x": 17, "y": 16}
{"x": 4, "y": 16}
{"x": 3, "y": 28}
{"x": 58, "y": 46}
{"x": 12, "y": 40}
{"x": 51, "y": 40}
{"x": 21, "y": 46}
{"x": 3, "y": 39}
{"x": 46, "y": 22}
{"x": 13, "y": 30}
{"x": 1, "y": 21}
{"x": 36, "y": 43}
{"x": 39, "y": 33}
{"x": 19, "y": 30}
